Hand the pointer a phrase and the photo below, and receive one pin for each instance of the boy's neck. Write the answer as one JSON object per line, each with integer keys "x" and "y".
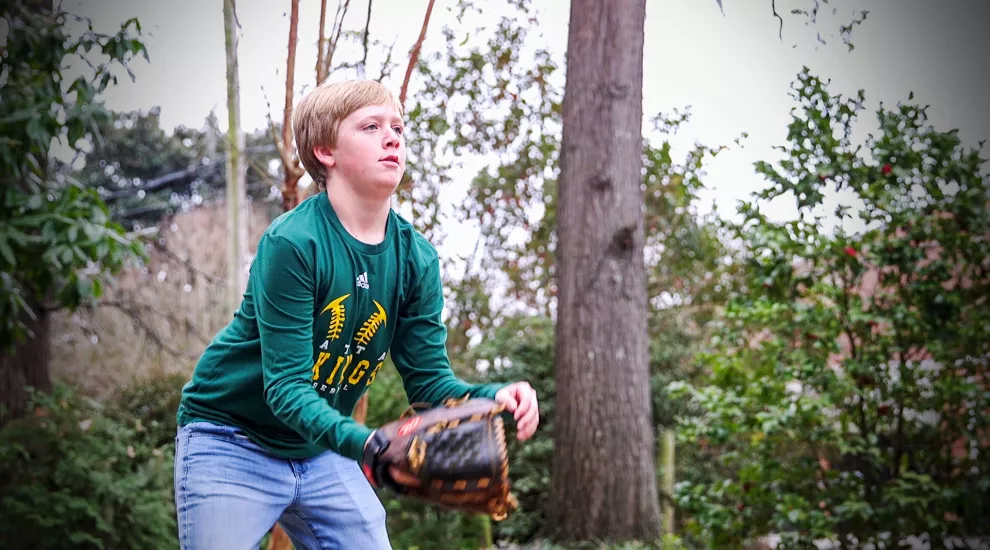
{"x": 363, "y": 217}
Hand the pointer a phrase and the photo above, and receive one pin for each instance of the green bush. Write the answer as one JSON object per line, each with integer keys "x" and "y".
{"x": 74, "y": 476}
{"x": 522, "y": 349}
{"x": 666, "y": 543}
{"x": 847, "y": 399}
{"x": 148, "y": 406}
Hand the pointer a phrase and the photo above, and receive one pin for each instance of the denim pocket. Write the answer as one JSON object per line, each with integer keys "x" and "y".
{"x": 216, "y": 431}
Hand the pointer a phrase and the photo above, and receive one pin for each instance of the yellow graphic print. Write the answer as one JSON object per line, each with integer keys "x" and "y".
{"x": 340, "y": 361}
{"x": 359, "y": 371}
{"x": 348, "y": 368}
{"x": 319, "y": 363}
{"x": 374, "y": 373}
{"x": 337, "y": 317}
{"x": 370, "y": 326}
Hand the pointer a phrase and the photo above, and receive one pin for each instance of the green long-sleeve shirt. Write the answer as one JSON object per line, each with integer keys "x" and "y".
{"x": 319, "y": 315}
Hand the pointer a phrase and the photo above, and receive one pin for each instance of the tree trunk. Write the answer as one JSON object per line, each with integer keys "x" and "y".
{"x": 236, "y": 168}
{"x": 604, "y": 479}
{"x": 28, "y": 366}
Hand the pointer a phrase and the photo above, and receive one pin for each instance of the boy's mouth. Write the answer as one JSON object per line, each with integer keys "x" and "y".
{"x": 390, "y": 158}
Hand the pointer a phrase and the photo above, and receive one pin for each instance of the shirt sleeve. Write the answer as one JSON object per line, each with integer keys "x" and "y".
{"x": 419, "y": 348}
{"x": 284, "y": 288}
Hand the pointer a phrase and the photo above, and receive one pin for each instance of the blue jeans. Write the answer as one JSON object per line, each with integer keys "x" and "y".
{"x": 229, "y": 492}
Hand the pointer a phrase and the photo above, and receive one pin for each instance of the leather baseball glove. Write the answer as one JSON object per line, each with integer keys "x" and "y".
{"x": 456, "y": 453}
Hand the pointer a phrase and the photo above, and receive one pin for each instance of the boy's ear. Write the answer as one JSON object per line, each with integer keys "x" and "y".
{"x": 325, "y": 156}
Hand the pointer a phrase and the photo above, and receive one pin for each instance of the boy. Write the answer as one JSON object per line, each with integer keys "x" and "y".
{"x": 337, "y": 283}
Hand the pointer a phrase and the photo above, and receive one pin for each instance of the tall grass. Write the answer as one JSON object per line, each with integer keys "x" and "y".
{"x": 158, "y": 317}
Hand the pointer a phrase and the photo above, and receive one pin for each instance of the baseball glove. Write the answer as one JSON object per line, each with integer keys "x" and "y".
{"x": 456, "y": 452}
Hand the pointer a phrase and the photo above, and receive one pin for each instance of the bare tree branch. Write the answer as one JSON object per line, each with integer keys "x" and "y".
{"x": 173, "y": 178}
{"x": 414, "y": 55}
{"x": 780, "y": 31}
{"x": 367, "y": 27}
{"x": 320, "y": 75}
{"x": 338, "y": 25}
{"x": 133, "y": 311}
{"x": 187, "y": 264}
{"x": 386, "y": 65}
{"x": 290, "y": 71}
{"x": 292, "y": 171}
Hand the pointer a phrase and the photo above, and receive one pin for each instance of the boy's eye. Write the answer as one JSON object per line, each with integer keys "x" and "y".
{"x": 371, "y": 127}
{"x": 398, "y": 129}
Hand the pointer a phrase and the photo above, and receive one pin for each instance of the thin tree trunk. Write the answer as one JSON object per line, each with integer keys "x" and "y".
{"x": 604, "y": 479}
{"x": 320, "y": 76}
{"x": 236, "y": 168}
{"x": 667, "y": 457}
{"x": 290, "y": 163}
{"x": 28, "y": 366}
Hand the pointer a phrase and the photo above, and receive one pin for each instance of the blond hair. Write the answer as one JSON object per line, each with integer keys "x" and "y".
{"x": 317, "y": 117}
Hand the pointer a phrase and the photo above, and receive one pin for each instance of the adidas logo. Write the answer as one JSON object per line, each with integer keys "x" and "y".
{"x": 362, "y": 280}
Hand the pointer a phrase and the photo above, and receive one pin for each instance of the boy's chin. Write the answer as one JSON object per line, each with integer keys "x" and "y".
{"x": 384, "y": 187}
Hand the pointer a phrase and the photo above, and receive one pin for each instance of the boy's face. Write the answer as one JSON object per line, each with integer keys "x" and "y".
{"x": 370, "y": 155}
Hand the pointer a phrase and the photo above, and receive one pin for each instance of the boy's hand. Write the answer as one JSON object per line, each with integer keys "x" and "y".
{"x": 369, "y": 460}
{"x": 520, "y": 400}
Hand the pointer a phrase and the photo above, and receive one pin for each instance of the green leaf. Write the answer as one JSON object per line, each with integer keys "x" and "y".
{"x": 7, "y": 252}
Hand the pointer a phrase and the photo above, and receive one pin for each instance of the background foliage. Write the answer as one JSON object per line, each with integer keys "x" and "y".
{"x": 823, "y": 383}
{"x": 77, "y": 473}
{"x": 58, "y": 243}
{"x": 847, "y": 398}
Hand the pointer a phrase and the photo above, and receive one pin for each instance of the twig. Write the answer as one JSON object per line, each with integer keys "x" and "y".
{"x": 367, "y": 28}
{"x": 386, "y": 70}
{"x": 414, "y": 55}
{"x": 773, "y": 6}
{"x": 171, "y": 178}
{"x": 188, "y": 264}
{"x": 338, "y": 24}
{"x": 136, "y": 318}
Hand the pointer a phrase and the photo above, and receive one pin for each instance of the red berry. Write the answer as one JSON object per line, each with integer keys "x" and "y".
{"x": 886, "y": 169}
{"x": 851, "y": 251}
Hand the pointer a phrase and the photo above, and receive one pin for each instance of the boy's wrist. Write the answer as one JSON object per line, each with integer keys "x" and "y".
{"x": 353, "y": 444}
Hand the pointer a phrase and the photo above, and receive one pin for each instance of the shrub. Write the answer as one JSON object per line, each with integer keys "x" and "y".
{"x": 847, "y": 399}
{"x": 73, "y": 476}
{"x": 148, "y": 406}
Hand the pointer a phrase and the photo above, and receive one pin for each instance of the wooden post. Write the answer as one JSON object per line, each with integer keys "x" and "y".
{"x": 236, "y": 168}
{"x": 487, "y": 540}
{"x": 361, "y": 409}
{"x": 667, "y": 465}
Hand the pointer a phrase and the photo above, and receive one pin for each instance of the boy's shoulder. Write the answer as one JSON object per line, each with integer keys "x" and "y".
{"x": 413, "y": 241}
{"x": 296, "y": 224}
{"x": 302, "y": 226}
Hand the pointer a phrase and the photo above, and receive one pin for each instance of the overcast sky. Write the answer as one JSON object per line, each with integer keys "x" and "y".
{"x": 732, "y": 68}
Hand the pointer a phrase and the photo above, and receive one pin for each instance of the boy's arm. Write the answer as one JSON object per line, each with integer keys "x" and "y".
{"x": 419, "y": 348}
{"x": 283, "y": 287}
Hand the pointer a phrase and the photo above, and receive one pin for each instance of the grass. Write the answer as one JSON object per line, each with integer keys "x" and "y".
{"x": 156, "y": 319}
